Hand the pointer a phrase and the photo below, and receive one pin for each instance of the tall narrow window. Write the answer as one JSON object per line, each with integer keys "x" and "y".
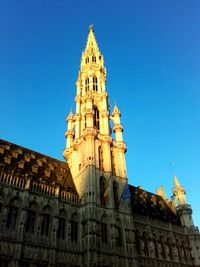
{"x": 100, "y": 158}
{"x": 61, "y": 228}
{"x": 96, "y": 117}
{"x": 170, "y": 249}
{"x": 137, "y": 242}
{"x": 115, "y": 194}
{"x": 162, "y": 248}
{"x": 119, "y": 237}
{"x": 12, "y": 217}
{"x": 104, "y": 233}
{"x": 113, "y": 163}
{"x": 102, "y": 191}
{"x": 30, "y": 221}
{"x": 146, "y": 251}
{"x": 184, "y": 251}
{"x": 93, "y": 59}
{"x": 45, "y": 225}
{"x": 74, "y": 229}
{"x": 95, "y": 85}
{"x": 87, "y": 84}
{"x": 156, "y": 247}
{"x": 87, "y": 60}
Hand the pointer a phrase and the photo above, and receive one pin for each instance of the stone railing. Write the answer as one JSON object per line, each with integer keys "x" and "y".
{"x": 12, "y": 179}
{"x": 42, "y": 189}
{"x": 70, "y": 197}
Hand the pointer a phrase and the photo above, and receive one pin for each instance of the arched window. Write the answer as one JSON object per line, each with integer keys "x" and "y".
{"x": 102, "y": 191}
{"x": 31, "y": 218}
{"x": 115, "y": 194}
{"x": 93, "y": 59}
{"x": 74, "y": 228}
{"x": 96, "y": 117}
{"x": 12, "y": 214}
{"x": 30, "y": 222}
{"x": 46, "y": 220}
{"x": 87, "y": 84}
{"x": 156, "y": 247}
{"x": 100, "y": 158}
{"x": 184, "y": 251}
{"x": 137, "y": 242}
{"x": 163, "y": 255}
{"x": 170, "y": 249}
{"x": 95, "y": 84}
{"x": 61, "y": 225}
{"x": 146, "y": 250}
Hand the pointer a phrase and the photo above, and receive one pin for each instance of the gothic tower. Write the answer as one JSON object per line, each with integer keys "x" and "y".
{"x": 96, "y": 160}
{"x": 184, "y": 211}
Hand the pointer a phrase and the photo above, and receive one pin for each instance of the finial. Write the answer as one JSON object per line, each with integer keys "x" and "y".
{"x": 91, "y": 27}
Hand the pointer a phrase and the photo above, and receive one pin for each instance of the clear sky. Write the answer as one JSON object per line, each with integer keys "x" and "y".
{"x": 152, "y": 55}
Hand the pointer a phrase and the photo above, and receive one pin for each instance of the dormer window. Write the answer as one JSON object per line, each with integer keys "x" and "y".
{"x": 86, "y": 84}
{"x": 93, "y": 59}
{"x": 95, "y": 85}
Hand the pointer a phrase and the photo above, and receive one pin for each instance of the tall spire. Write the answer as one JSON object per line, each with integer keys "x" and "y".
{"x": 91, "y": 45}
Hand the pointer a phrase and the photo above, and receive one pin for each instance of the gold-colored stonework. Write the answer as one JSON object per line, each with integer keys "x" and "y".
{"x": 82, "y": 211}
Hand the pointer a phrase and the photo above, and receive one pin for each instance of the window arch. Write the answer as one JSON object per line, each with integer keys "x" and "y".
{"x": 74, "y": 228}
{"x": 95, "y": 84}
{"x": 87, "y": 85}
{"x": 184, "y": 251}
{"x": 102, "y": 191}
{"x": 170, "y": 249}
{"x": 115, "y": 194}
{"x": 46, "y": 221}
{"x": 31, "y": 217}
{"x": 12, "y": 215}
{"x": 146, "y": 250}
{"x": 163, "y": 255}
{"x": 61, "y": 225}
{"x": 155, "y": 246}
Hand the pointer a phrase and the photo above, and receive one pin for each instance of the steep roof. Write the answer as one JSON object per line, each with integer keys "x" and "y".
{"x": 152, "y": 205}
{"x": 23, "y": 162}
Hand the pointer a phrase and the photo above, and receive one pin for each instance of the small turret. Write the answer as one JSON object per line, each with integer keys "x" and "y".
{"x": 183, "y": 209}
{"x": 118, "y": 128}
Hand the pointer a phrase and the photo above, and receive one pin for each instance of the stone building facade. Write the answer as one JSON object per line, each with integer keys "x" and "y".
{"x": 83, "y": 212}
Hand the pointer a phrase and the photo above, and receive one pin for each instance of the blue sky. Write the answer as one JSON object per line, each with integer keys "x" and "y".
{"x": 152, "y": 56}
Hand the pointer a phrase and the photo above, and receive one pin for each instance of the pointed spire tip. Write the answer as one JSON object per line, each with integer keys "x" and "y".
{"x": 91, "y": 27}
